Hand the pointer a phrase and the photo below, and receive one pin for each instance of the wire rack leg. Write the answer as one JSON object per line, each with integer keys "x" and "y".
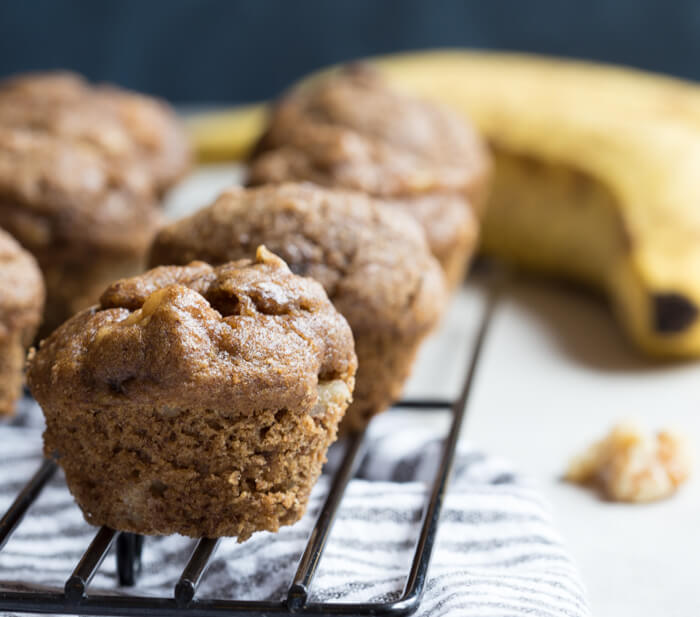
{"x": 129, "y": 546}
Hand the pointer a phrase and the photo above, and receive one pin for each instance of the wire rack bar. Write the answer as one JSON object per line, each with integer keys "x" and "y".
{"x": 415, "y": 583}
{"x": 75, "y": 600}
{"x": 308, "y": 564}
{"x": 432, "y": 403}
{"x": 194, "y": 570}
{"x": 129, "y": 547}
{"x": 88, "y": 565}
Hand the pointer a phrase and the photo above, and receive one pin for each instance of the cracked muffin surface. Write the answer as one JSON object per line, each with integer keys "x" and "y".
{"x": 197, "y": 400}
{"x": 373, "y": 262}
{"x": 350, "y": 130}
{"x": 21, "y": 304}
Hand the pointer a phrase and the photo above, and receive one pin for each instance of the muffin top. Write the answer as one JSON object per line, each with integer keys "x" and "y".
{"x": 373, "y": 261}
{"x": 121, "y": 124}
{"x": 352, "y": 130}
{"x": 55, "y": 191}
{"x": 22, "y": 297}
{"x": 54, "y": 87}
{"x": 239, "y": 338}
{"x": 156, "y": 130}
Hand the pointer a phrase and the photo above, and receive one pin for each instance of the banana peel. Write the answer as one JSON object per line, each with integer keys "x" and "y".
{"x": 226, "y": 135}
{"x": 597, "y": 176}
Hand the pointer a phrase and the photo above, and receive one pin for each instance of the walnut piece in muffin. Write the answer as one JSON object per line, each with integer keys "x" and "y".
{"x": 197, "y": 400}
{"x": 632, "y": 465}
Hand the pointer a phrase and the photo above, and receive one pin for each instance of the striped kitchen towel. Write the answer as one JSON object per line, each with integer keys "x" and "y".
{"x": 497, "y": 551}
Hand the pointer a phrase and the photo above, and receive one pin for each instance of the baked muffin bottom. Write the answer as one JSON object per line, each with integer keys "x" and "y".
{"x": 195, "y": 471}
{"x": 384, "y": 364}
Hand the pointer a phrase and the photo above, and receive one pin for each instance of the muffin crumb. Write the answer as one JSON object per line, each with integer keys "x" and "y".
{"x": 633, "y": 465}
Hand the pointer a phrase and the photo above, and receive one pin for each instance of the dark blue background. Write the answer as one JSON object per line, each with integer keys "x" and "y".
{"x": 218, "y": 50}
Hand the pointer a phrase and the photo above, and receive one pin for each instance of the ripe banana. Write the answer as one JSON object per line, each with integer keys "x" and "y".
{"x": 597, "y": 177}
{"x": 226, "y": 135}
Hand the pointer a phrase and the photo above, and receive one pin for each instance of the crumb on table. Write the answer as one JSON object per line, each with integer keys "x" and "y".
{"x": 633, "y": 465}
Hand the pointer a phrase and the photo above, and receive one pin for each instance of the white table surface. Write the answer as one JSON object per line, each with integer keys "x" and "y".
{"x": 555, "y": 374}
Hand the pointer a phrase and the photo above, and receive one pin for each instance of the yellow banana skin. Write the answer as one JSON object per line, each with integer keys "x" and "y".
{"x": 597, "y": 177}
{"x": 226, "y": 135}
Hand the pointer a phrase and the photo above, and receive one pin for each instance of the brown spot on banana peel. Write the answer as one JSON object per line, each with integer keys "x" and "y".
{"x": 672, "y": 312}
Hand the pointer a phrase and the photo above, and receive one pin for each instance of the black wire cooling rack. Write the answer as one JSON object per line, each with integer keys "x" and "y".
{"x": 76, "y": 599}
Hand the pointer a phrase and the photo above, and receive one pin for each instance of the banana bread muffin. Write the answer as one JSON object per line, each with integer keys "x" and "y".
{"x": 155, "y": 129}
{"x": 86, "y": 221}
{"x": 373, "y": 262}
{"x": 81, "y": 170}
{"x": 21, "y": 303}
{"x": 122, "y": 125}
{"x": 351, "y": 131}
{"x": 197, "y": 400}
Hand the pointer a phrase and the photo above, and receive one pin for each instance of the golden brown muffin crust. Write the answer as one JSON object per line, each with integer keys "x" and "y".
{"x": 451, "y": 229}
{"x": 351, "y": 130}
{"x": 81, "y": 170}
{"x": 373, "y": 262}
{"x": 124, "y": 126}
{"x": 69, "y": 192}
{"x": 220, "y": 387}
{"x": 53, "y": 87}
{"x": 85, "y": 220}
{"x": 22, "y": 289}
{"x": 177, "y": 332}
{"x": 156, "y": 130}
{"x": 21, "y": 304}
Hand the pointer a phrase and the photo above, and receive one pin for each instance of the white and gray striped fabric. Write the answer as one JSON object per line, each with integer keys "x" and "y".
{"x": 497, "y": 551}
